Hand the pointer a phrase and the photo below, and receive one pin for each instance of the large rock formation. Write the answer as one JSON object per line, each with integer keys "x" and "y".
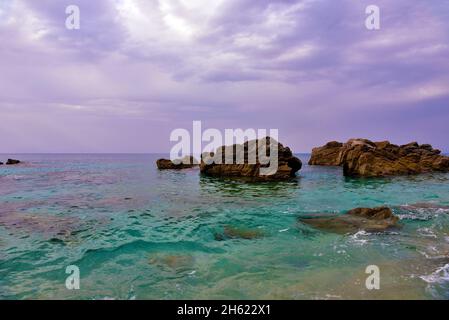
{"x": 227, "y": 161}
{"x": 12, "y": 161}
{"x": 371, "y": 220}
{"x": 362, "y": 157}
{"x": 184, "y": 163}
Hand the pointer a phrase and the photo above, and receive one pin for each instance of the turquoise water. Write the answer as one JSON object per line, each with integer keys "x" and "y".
{"x": 139, "y": 233}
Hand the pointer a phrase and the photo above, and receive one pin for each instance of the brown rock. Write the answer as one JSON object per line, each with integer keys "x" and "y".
{"x": 380, "y": 213}
{"x": 361, "y": 157}
{"x": 246, "y": 163}
{"x": 184, "y": 163}
{"x": 371, "y": 220}
{"x": 327, "y": 155}
{"x": 382, "y": 144}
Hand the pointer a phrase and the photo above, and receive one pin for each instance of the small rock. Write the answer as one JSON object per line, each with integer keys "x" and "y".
{"x": 184, "y": 163}
{"x": 12, "y": 161}
{"x": 172, "y": 261}
{"x": 231, "y": 232}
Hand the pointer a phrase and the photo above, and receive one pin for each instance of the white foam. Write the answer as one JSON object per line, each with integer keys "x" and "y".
{"x": 355, "y": 237}
{"x": 441, "y": 275}
{"x": 427, "y": 232}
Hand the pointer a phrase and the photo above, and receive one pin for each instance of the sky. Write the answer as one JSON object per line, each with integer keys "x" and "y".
{"x": 138, "y": 69}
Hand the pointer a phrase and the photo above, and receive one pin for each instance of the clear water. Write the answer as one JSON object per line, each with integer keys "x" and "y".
{"x": 136, "y": 232}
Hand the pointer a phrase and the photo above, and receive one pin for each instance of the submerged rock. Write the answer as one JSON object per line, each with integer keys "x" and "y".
{"x": 173, "y": 261}
{"x": 364, "y": 158}
{"x": 47, "y": 226}
{"x": 371, "y": 220}
{"x": 12, "y": 161}
{"x": 245, "y": 161}
{"x": 231, "y": 232}
{"x": 184, "y": 163}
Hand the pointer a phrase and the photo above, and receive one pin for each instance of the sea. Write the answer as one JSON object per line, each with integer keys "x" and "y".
{"x": 132, "y": 231}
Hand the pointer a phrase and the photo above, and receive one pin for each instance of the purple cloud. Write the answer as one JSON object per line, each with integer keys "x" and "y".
{"x": 138, "y": 69}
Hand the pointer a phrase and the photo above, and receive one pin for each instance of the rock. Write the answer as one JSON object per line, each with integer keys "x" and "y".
{"x": 362, "y": 157}
{"x": 216, "y": 164}
{"x": 12, "y": 161}
{"x": 1, "y": 163}
{"x": 371, "y": 220}
{"x": 411, "y": 145}
{"x": 427, "y": 147}
{"x": 46, "y": 225}
{"x": 231, "y": 232}
{"x": 184, "y": 163}
{"x": 382, "y": 144}
{"x": 172, "y": 261}
{"x": 380, "y": 213}
{"x": 326, "y": 155}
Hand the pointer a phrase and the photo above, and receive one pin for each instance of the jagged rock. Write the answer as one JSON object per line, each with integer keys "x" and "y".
{"x": 362, "y": 157}
{"x": 371, "y": 220}
{"x": 245, "y": 161}
{"x": 326, "y": 155}
{"x": 184, "y": 163}
{"x": 12, "y": 161}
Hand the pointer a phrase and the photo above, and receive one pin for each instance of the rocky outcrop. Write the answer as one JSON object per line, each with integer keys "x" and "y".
{"x": 327, "y": 155}
{"x": 362, "y": 157}
{"x": 184, "y": 163}
{"x": 371, "y": 220}
{"x": 246, "y": 162}
{"x": 12, "y": 161}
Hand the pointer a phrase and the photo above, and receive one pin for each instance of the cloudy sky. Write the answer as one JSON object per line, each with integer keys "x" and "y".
{"x": 137, "y": 69}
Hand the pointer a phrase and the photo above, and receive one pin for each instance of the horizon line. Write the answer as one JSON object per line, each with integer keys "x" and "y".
{"x": 25, "y": 153}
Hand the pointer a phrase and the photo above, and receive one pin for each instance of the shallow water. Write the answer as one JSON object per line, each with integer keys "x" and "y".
{"x": 139, "y": 233}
